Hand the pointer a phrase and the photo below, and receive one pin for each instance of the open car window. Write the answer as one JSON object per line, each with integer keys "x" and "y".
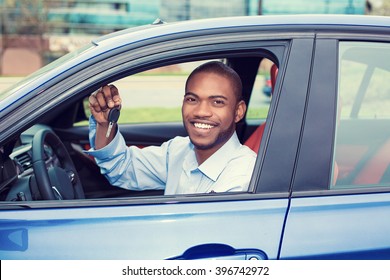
{"x": 150, "y": 116}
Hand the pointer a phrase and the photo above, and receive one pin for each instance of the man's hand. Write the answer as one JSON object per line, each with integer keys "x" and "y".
{"x": 100, "y": 104}
{"x": 102, "y": 101}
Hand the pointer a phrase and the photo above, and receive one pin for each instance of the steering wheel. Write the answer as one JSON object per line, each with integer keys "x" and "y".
{"x": 54, "y": 182}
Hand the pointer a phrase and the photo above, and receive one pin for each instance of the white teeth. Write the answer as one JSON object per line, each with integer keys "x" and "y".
{"x": 203, "y": 125}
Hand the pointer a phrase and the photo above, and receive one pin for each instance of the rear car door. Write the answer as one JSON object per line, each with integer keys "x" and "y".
{"x": 340, "y": 204}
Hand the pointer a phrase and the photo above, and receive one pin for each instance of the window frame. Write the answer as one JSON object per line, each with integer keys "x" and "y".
{"x": 72, "y": 87}
{"x": 322, "y": 169}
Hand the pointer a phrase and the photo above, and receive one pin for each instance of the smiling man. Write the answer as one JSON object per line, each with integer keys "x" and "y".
{"x": 210, "y": 159}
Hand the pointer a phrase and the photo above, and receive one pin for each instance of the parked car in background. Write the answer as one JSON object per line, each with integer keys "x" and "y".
{"x": 320, "y": 188}
{"x": 267, "y": 88}
{"x": 270, "y": 80}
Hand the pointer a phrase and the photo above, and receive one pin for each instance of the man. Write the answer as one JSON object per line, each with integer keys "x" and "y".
{"x": 210, "y": 159}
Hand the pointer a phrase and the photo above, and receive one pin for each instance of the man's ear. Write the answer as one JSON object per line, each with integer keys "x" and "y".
{"x": 240, "y": 111}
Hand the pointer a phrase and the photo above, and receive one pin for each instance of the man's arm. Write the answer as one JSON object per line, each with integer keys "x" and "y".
{"x": 129, "y": 167}
{"x": 100, "y": 104}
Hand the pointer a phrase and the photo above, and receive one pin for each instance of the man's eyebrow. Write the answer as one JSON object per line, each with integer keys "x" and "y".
{"x": 209, "y": 97}
{"x": 190, "y": 93}
{"x": 218, "y": 96}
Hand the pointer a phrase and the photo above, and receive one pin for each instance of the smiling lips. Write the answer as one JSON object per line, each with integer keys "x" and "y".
{"x": 203, "y": 125}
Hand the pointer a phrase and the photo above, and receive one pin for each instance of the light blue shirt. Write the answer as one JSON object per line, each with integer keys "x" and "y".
{"x": 173, "y": 166}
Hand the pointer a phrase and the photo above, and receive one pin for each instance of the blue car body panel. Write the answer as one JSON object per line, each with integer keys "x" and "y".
{"x": 343, "y": 227}
{"x": 141, "y": 232}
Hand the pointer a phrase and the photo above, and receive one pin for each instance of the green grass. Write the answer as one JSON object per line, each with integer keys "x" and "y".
{"x": 145, "y": 115}
{"x": 257, "y": 113}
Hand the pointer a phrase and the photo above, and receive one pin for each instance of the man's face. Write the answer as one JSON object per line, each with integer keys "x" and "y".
{"x": 210, "y": 110}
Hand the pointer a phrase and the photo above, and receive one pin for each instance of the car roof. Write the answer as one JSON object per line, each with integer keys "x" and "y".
{"x": 275, "y": 21}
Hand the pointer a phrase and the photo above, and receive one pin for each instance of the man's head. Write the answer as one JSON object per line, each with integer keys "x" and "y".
{"x": 212, "y": 105}
{"x": 221, "y": 69}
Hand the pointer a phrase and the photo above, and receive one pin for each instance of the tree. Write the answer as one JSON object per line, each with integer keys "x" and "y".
{"x": 381, "y": 8}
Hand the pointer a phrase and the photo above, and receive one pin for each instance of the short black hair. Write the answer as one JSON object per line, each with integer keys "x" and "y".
{"x": 222, "y": 69}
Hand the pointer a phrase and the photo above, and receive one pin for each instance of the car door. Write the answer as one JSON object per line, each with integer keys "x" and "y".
{"x": 340, "y": 205}
{"x": 228, "y": 226}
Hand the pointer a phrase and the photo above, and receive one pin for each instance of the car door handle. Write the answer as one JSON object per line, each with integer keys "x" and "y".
{"x": 220, "y": 251}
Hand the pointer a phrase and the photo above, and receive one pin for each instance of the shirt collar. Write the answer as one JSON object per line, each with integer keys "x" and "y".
{"x": 215, "y": 164}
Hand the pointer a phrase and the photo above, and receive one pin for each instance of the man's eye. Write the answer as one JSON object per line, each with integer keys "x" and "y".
{"x": 190, "y": 100}
{"x": 219, "y": 102}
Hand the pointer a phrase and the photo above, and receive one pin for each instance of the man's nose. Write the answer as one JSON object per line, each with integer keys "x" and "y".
{"x": 203, "y": 109}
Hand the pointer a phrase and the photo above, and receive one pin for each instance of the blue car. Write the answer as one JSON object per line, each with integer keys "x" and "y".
{"x": 320, "y": 188}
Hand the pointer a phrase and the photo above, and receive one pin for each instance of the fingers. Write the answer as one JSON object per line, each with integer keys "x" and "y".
{"x": 115, "y": 96}
{"x": 94, "y": 104}
{"x": 104, "y": 99}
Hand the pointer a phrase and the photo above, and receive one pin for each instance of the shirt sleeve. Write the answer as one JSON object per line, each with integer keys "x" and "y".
{"x": 130, "y": 167}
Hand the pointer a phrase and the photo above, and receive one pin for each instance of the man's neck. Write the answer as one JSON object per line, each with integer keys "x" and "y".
{"x": 203, "y": 155}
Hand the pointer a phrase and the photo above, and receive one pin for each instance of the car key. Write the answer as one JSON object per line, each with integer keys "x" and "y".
{"x": 113, "y": 117}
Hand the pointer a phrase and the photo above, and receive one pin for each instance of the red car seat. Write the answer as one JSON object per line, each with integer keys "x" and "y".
{"x": 253, "y": 142}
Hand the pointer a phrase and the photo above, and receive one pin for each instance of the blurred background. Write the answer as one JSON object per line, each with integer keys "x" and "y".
{"x": 36, "y": 32}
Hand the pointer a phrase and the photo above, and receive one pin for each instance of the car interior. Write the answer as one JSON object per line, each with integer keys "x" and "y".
{"x": 47, "y": 161}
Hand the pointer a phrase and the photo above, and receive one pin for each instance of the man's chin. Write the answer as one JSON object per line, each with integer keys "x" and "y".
{"x": 210, "y": 145}
{"x": 201, "y": 145}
